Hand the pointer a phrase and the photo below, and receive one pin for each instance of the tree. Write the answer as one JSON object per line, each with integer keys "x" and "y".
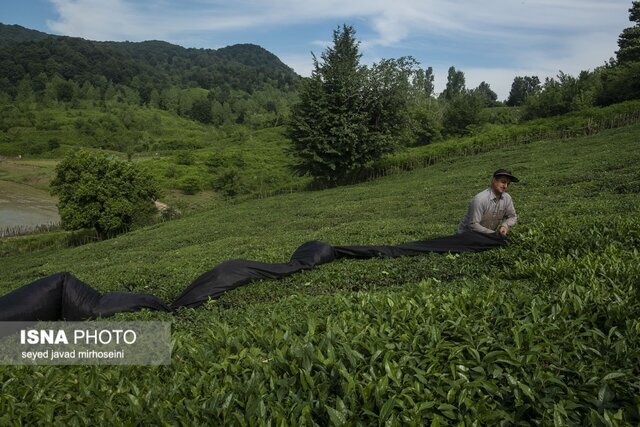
{"x": 387, "y": 95}
{"x": 24, "y": 93}
{"x": 423, "y": 82}
{"x": 563, "y": 95}
{"x": 619, "y": 83}
{"x": 96, "y": 191}
{"x": 201, "y": 111}
{"x": 629, "y": 39}
{"x": 330, "y": 126}
{"x": 462, "y": 111}
{"x": 426, "y": 121}
{"x": 455, "y": 84}
{"x": 488, "y": 96}
{"x": 522, "y": 88}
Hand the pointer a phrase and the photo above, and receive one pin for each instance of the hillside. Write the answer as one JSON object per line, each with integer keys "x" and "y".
{"x": 143, "y": 65}
{"x": 12, "y": 34}
{"x": 544, "y": 331}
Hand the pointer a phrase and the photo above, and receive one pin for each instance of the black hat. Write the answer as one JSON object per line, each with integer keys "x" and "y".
{"x": 505, "y": 172}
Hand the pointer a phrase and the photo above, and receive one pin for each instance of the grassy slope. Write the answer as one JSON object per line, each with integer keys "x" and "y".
{"x": 569, "y": 189}
{"x": 266, "y": 166}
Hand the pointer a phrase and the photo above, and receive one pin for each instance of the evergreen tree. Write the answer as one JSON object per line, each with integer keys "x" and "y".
{"x": 629, "y": 40}
{"x": 330, "y": 126}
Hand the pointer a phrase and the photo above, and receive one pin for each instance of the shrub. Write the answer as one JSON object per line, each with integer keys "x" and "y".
{"x": 190, "y": 184}
{"x": 97, "y": 191}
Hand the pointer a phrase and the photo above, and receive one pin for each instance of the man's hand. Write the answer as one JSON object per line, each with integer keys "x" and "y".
{"x": 503, "y": 230}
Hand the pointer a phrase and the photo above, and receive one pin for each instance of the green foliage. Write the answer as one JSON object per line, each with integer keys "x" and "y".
{"x": 229, "y": 183}
{"x": 329, "y": 124}
{"x": 563, "y": 95}
{"x": 144, "y": 66}
{"x": 10, "y": 34}
{"x": 349, "y": 115}
{"x": 620, "y": 83}
{"x": 190, "y": 184}
{"x": 462, "y": 111}
{"x": 426, "y": 121}
{"x": 238, "y": 84}
{"x": 423, "y": 82}
{"x": 185, "y": 157}
{"x": 492, "y": 136}
{"x": 629, "y": 40}
{"x": 522, "y": 88}
{"x": 455, "y": 84}
{"x": 201, "y": 111}
{"x": 501, "y": 115}
{"x": 544, "y": 331}
{"x": 96, "y": 191}
{"x": 488, "y": 96}
{"x": 388, "y": 90}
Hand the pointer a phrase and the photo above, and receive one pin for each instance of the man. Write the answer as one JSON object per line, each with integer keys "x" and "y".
{"x": 491, "y": 211}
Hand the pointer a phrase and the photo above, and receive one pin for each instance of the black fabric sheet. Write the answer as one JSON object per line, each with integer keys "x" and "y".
{"x": 64, "y": 297}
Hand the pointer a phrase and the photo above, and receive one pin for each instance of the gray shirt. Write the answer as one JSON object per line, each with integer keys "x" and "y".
{"x": 486, "y": 213}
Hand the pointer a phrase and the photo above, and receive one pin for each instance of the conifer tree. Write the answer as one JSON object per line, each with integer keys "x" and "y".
{"x": 629, "y": 40}
{"x": 330, "y": 125}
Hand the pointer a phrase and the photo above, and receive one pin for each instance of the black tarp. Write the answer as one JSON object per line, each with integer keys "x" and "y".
{"x": 64, "y": 297}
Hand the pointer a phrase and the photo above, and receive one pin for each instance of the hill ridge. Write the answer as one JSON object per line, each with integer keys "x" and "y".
{"x": 243, "y": 66}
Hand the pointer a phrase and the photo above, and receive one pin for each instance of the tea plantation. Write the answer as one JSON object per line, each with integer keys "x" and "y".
{"x": 544, "y": 331}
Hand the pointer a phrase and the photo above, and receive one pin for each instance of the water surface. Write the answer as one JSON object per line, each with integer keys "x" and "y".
{"x": 24, "y": 206}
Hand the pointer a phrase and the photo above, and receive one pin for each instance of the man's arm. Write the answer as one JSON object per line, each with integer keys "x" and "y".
{"x": 511, "y": 218}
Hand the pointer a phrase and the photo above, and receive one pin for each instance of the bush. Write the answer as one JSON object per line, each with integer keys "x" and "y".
{"x": 185, "y": 158}
{"x": 97, "y": 191}
{"x": 229, "y": 183}
{"x": 190, "y": 184}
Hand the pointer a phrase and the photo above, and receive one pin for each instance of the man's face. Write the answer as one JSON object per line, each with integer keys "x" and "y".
{"x": 500, "y": 184}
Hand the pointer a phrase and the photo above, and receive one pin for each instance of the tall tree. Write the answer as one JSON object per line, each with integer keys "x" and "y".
{"x": 488, "y": 96}
{"x": 455, "y": 84}
{"x": 522, "y": 88}
{"x": 629, "y": 40}
{"x": 388, "y": 92}
{"x": 423, "y": 82}
{"x": 330, "y": 126}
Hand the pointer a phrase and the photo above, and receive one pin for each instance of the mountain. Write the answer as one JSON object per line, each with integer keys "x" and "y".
{"x": 11, "y": 34}
{"x": 143, "y": 66}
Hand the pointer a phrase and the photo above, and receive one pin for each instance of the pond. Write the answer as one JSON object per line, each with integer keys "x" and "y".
{"x": 23, "y": 207}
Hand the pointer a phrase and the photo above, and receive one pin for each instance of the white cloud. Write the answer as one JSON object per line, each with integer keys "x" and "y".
{"x": 393, "y": 21}
{"x": 524, "y": 36}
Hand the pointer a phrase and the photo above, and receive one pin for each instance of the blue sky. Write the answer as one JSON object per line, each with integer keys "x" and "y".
{"x": 489, "y": 40}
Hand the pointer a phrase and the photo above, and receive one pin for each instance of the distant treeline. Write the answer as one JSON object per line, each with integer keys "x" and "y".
{"x": 61, "y": 91}
{"x": 351, "y": 115}
{"x": 210, "y": 86}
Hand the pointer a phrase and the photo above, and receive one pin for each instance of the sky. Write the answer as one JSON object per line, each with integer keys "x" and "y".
{"x": 489, "y": 40}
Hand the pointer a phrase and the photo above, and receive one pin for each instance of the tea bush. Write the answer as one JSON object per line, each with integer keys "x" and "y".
{"x": 544, "y": 331}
